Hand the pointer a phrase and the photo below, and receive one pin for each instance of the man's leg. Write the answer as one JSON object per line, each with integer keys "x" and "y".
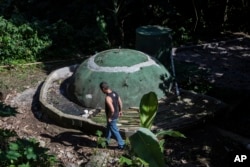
{"x": 108, "y": 133}
{"x": 115, "y": 131}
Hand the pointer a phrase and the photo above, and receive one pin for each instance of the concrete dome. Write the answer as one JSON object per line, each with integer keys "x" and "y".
{"x": 129, "y": 72}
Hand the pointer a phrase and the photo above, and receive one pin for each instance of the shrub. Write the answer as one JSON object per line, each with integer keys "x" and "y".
{"x": 26, "y": 153}
{"x": 147, "y": 147}
{"x": 15, "y": 151}
{"x": 20, "y": 43}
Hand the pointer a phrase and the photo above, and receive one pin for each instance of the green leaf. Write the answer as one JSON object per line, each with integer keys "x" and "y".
{"x": 125, "y": 160}
{"x": 146, "y": 146}
{"x": 13, "y": 155}
{"x": 98, "y": 133}
{"x": 24, "y": 165}
{"x": 148, "y": 109}
{"x": 13, "y": 146}
{"x": 171, "y": 133}
{"x": 161, "y": 143}
{"x": 29, "y": 152}
{"x": 6, "y": 133}
{"x": 6, "y": 111}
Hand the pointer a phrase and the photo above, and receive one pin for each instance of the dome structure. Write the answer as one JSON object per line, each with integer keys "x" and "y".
{"x": 129, "y": 72}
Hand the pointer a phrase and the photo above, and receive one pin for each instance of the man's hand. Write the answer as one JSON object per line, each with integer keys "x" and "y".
{"x": 120, "y": 113}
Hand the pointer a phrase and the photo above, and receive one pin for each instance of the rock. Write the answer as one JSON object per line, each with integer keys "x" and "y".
{"x": 98, "y": 160}
{"x": 70, "y": 155}
{"x": 71, "y": 165}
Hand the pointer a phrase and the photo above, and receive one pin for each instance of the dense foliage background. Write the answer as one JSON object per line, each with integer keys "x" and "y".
{"x": 37, "y": 30}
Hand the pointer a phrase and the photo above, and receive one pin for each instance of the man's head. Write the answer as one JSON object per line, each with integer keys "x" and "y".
{"x": 104, "y": 87}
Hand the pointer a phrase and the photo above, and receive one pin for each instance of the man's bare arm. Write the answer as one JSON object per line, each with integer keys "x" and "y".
{"x": 120, "y": 106}
{"x": 110, "y": 105}
{"x": 120, "y": 103}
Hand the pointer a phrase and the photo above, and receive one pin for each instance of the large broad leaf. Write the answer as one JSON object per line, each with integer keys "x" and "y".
{"x": 148, "y": 109}
{"x": 146, "y": 146}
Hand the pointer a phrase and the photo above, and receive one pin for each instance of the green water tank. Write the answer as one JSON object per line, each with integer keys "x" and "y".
{"x": 129, "y": 72}
{"x": 156, "y": 41}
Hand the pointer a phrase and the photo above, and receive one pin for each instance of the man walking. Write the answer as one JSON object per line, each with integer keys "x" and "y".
{"x": 113, "y": 107}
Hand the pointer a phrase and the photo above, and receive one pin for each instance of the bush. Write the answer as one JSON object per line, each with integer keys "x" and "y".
{"x": 26, "y": 153}
{"x": 147, "y": 147}
{"x": 15, "y": 151}
{"x": 20, "y": 43}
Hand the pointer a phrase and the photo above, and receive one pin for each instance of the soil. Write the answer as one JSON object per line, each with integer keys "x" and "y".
{"x": 20, "y": 89}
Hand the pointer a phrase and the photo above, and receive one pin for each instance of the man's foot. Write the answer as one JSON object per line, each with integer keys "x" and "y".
{"x": 121, "y": 147}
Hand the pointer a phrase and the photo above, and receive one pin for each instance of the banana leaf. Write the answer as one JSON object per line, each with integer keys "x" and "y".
{"x": 148, "y": 109}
